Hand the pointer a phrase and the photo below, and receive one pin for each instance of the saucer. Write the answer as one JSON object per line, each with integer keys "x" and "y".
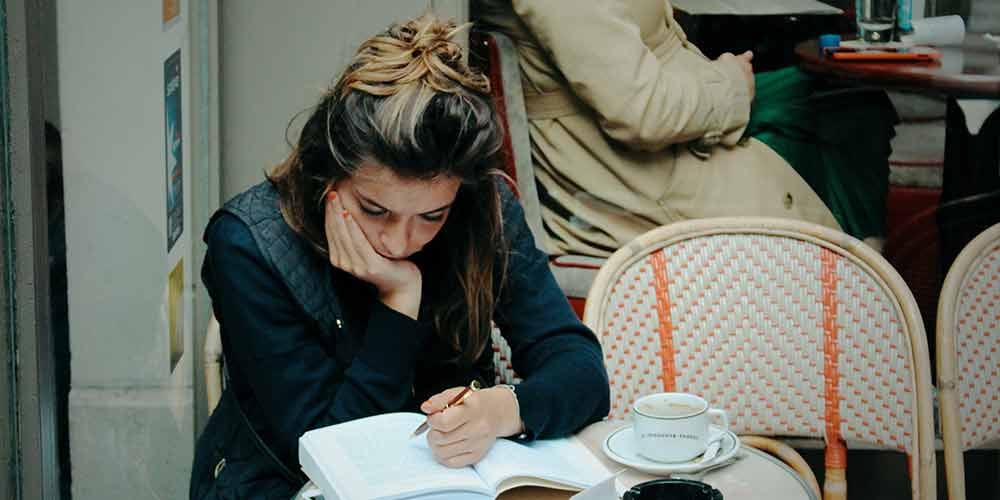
{"x": 620, "y": 447}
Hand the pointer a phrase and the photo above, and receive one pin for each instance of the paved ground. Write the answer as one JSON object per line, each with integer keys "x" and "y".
{"x": 919, "y": 140}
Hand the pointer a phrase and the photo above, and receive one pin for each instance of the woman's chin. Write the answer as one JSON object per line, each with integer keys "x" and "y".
{"x": 392, "y": 257}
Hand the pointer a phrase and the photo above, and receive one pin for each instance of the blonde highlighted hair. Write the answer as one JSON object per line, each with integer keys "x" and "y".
{"x": 409, "y": 102}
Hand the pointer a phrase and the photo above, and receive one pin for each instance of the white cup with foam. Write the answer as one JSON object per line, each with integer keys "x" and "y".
{"x": 675, "y": 426}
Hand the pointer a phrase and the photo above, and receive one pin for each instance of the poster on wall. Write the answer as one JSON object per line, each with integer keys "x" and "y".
{"x": 171, "y": 12}
{"x": 174, "y": 150}
{"x": 175, "y": 313}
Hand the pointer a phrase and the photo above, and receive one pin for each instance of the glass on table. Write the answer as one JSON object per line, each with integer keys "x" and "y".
{"x": 876, "y": 19}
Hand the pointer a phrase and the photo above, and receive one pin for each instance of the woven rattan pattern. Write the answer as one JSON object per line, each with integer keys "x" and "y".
{"x": 741, "y": 323}
{"x": 977, "y": 333}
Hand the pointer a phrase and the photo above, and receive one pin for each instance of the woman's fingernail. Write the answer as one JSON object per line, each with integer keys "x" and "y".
{"x": 332, "y": 195}
{"x": 345, "y": 213}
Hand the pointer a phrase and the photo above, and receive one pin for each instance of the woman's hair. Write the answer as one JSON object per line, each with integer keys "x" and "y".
{"x": 408, "y": 102}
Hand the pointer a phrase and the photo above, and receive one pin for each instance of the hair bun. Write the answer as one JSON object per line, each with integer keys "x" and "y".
{"x": 430, "y": 40}
{"x": 420, "y": 50}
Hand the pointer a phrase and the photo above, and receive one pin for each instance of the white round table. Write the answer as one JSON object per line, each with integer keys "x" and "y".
{"x": 757, "y": 475}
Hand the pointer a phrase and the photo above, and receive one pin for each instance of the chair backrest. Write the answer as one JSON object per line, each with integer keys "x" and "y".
{"x": 497, "y": 55}
{"x": 213, "y": 364}
{"x": 968, "y": 354}
{"x": 794, "y": 329}
{"x": 503, "y": 368}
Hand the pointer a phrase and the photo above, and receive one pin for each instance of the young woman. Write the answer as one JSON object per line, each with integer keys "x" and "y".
{"x": 364, "y": 275}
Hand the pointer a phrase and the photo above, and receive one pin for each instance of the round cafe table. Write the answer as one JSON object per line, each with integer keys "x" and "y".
{"x": 757, "y": 475}
{"x": 969, "y": 76}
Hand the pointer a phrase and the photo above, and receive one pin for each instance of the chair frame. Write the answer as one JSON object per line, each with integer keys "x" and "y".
{"x": 213, "y": 355}
{"x": 508, "y": 100}
{"x": 947, "y": 358}
{"x": 922, "y": 466}
{"x": 497, "y": 54}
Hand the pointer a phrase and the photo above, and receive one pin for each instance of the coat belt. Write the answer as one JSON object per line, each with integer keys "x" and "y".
{"x": 553, "y": 105}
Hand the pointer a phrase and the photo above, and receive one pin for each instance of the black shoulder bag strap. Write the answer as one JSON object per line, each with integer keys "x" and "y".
{"x": 293, "y": 477}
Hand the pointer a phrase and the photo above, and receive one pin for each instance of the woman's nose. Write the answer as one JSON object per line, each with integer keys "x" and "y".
{"x": 396, "y": 240}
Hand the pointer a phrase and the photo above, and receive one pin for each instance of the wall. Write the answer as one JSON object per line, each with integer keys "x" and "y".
{"x": 984, "y": 16}
{"x": 131, "y": 429}
{"x": 8, "y": 427}
{"x": 276, "y": 59}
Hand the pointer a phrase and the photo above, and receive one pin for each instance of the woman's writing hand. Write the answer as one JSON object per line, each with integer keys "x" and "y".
{"x": 398, "y": 281}
{"x": 745, "y": 60}
{"x": 461, "y": 435}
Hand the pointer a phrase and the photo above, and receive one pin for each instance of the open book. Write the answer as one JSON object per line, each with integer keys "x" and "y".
{"x": 375, "y": 458}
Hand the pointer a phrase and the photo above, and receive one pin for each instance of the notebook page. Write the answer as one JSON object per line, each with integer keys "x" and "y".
{"x": 374, "y": 457}
{"x": 565, "y": 461}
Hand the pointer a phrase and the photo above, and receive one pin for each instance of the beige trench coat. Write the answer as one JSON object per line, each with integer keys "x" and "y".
{"x": 632, "y": 127}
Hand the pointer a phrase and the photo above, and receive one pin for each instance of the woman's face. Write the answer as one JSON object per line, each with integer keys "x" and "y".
{"x": 397, "y": 215}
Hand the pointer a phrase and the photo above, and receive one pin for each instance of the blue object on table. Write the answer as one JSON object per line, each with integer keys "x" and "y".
{"x": 828, "y": 40}
{"x": 904, "y": 15}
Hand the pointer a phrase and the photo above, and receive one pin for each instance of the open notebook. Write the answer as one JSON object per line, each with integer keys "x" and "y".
{"x": 374, "y": 458}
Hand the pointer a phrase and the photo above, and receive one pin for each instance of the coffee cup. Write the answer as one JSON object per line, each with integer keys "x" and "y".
{"x": 674, "y": 426}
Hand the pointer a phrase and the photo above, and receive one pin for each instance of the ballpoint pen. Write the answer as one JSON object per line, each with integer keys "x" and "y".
{"x": 457, "y": 400}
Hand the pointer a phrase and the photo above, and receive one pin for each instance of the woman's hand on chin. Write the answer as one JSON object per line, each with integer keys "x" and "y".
{"x": 398, "y": 282}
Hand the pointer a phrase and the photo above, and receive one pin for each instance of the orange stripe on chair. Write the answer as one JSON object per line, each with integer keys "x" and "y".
{"x": 836, "y": 452}
{"x": 669, "y": 374}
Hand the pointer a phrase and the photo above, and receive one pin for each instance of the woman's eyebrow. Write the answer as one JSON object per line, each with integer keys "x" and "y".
{"x": 380, "y": 207}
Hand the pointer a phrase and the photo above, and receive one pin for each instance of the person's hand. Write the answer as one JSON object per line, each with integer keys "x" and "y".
{"x": 462, "y": 434}
{"x": 745, "y": 60}
{"x": 398, "y": 281}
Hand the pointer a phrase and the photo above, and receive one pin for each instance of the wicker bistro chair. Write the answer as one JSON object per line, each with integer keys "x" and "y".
{"x": 212, "y": 353}
{"x": 503, "y": 367}
{"x": 968, "y": 361}
{"x": 796, "y": 330}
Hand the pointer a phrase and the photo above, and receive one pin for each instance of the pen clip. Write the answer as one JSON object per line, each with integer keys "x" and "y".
{"x": 455, "y": 401}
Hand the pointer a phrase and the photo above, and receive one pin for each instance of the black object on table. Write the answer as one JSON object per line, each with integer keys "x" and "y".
{"x": 672, "y": 489}
{"x": 772, "y": 38}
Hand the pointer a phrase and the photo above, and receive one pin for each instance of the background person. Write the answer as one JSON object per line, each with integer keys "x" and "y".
{"x": 633, "y": 128}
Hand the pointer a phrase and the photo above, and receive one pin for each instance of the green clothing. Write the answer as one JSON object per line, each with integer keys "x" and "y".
{"x": 836, "y": 139}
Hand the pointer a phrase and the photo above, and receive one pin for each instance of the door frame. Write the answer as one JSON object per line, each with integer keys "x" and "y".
{"x": 29, "y": 364}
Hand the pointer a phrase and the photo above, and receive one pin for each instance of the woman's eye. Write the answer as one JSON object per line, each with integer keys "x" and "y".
{"x": 374, "y": 212}
{"x": 433, "y": 218}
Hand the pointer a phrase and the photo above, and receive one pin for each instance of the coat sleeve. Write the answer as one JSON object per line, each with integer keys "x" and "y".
{"x": 640, "y": 100}
{"x": 275, "y": 359}
{"x": 565, "y": 385}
